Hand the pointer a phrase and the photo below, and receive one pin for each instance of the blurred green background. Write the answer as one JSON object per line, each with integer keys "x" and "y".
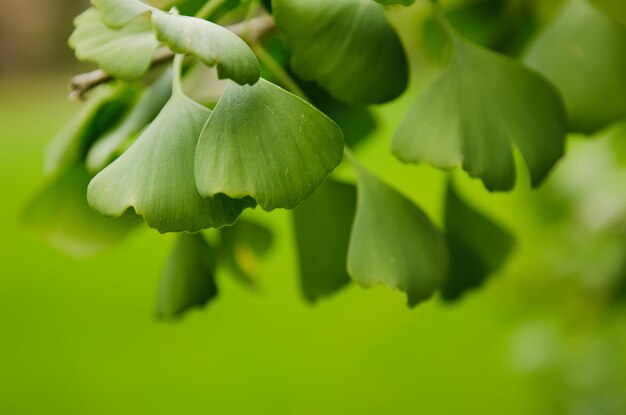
{"x": 547, "y": 335}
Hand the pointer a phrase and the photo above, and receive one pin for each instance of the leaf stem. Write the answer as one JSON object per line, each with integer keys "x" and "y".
{"x": 283, "y": 76}
{"x": 209, "y": 8}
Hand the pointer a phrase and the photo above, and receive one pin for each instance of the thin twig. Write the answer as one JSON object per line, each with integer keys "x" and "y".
{"x": 251, "y": 31}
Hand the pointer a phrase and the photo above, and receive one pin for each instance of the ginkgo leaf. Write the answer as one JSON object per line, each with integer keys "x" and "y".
{"x": 242, "y": 246}
{"x": 61, "y": 216}
{"x": 100, "y": 113}
{"x": 264, "y": 142}
{"x": 188, "y": 280}
{"x": 481, "y": 106}
{"x": 147, "y": 107}
{"x": 587, "y": 66}
{"x": 478, "y": 247}
{"x": 322, "y": 226}
{"x": 155, "y": 175}
{"x": 347, "y": 46}
{"x": 117, "y": 13}
{"x": 393, "y": 242}
{"x": 123, "y": 53}
{"x": 211, "y": 43}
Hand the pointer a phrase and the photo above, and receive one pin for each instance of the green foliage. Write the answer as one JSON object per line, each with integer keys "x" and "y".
{"x": 393, "y": 242}
{"x": 276, "y": 140}
{"x": 478, "y": 247}
{"x": 322, "y": 227}
{"x": 59, "y": 214}
{"x": 266, "y": 143}
{"x": 212, "y": 43}
{"x": 333, "y": 41}
{"x": 482, "y": 105}
{"x": 155, "y": 176}
{"x": 124, "y": 53}
{"x": 146, "y": 108}
{"x": 188, "y": 280}
{"x": 590, "y": 70}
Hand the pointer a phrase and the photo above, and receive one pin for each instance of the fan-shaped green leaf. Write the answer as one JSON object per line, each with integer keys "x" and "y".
{"x": 322, "y": 226}
{"x": 124, "y": 53}
{"x": 587, "y": 66}
{"x": 347, "y": 46}
{"x": 242, "y": 246}
{"x": 477, "y": 246}
{"x": 480, "y": 106}
{"x": 61, "y": 216}
{"x": 188, "y": 280}
{"x": 101, "y": 112}
{"x": 148, "y": 106}
{"x": 264, "y": 142}
{"x": 211, "y": 43}
{"x": 393, "y": 242}
{"x": 155, "y": 175}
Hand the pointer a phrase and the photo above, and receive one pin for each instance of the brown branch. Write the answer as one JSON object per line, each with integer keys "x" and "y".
{"x": 250, "y": 31}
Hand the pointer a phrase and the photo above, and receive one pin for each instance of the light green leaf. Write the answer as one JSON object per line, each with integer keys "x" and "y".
{"x": 264, "y": 142}
{"x": 477, "y": 246}
{"x": 155, "y": 175}
{"x": 242, "y": 246}
{"x": 587, "y": 66}
{"x": 124, "y": 53}
{"x": 102, "y": 110}
{"x": 148, "y": 106}
{"x": 211, "y": 43}
{"x": 322, "y": 226}
{"x": 188, "y": 280}
{"x": 60, "y": 215}
{"x": 393, "y": 242}
{"x": 347, "y": 46}
{"x": 481, "y": 106}
{"x": 118, "y": 13}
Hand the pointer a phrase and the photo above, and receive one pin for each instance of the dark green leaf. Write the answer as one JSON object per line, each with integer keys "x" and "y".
{"x": 478, "y": 247}
{"x": 480, "y": 106}
{"x": 148, "y": 106}
{"x": 61, "y": 216}
{"x": 102, "y": 111}
{"x": 587, "y": 66}
{"x": 356, "y": 122}
{"x": 155, "y": 175}
{"x": 322, "y": 227}
{"x": 124, "y": 53}
{"x": 393, "y": 242}
{"x": 189, "y": 277}
{"x": 347, "y": 46}
{"x": 264, "y": 142}
{"x": 242, "y": 246}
